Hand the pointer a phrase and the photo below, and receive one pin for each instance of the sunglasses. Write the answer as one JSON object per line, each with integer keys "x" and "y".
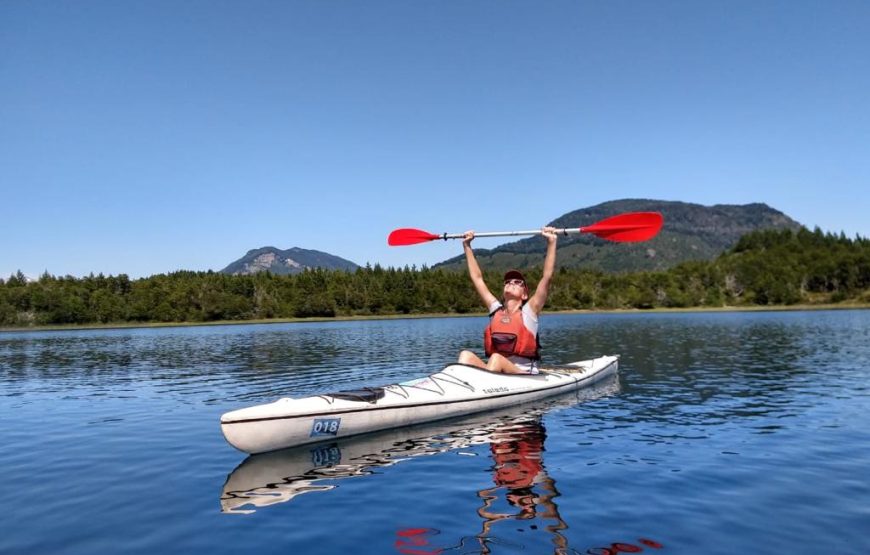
{"x": 514, "y": 282}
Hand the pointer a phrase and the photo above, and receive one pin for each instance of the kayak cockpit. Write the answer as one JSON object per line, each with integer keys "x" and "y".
{"x": 365, "y": 394}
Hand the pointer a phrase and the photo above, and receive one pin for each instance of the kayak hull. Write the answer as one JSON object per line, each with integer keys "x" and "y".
{"x": 456, "y": 390}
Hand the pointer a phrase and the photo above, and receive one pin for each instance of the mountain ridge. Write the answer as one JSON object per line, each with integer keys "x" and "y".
{"x": 690, "y": 232}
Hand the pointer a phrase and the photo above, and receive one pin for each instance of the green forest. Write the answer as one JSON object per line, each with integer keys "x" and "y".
{"x": 764, "y": 268}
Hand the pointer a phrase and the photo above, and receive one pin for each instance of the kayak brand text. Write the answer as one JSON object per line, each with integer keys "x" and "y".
{"x": 495, "y": 390}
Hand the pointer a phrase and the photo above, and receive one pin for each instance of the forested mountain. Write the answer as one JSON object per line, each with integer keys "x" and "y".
{"x": 290, "y": 261}
{"x": 690, "y": 232}
{"x": 765, "y": 268}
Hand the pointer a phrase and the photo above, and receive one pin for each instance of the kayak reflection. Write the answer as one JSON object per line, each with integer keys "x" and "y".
{"x": 278, "y": 477}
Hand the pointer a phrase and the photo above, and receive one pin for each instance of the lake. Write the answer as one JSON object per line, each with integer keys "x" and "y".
{"x": 723, "y": 433}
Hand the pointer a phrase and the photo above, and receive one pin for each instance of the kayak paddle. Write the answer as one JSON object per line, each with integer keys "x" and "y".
{"x": 625, "y": 228}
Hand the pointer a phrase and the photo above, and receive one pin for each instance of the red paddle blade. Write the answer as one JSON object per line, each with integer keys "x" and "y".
{"x": 409, "y": 236}
{"x": 627, "y": 228}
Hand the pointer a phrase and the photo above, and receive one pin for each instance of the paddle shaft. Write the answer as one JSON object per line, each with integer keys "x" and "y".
{"x": 558, "y": 231}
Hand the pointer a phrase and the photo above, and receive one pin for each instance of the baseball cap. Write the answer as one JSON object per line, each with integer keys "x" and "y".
{"x": 514, "y": 274}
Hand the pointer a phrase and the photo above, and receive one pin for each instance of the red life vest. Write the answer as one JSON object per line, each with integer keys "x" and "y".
{"x": 510, "y": 338}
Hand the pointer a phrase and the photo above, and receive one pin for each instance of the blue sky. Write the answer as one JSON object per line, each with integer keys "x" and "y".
{"x": 143, "y": 137}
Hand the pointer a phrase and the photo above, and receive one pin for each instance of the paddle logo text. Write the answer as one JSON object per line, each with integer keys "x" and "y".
{"x": 325, "y": 427}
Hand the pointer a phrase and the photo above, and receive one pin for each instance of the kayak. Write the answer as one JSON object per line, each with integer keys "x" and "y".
{"x": 268, "y": 479}
{"x": 455, "y": 390}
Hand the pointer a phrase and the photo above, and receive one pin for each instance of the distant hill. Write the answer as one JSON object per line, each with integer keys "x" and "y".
{"x": 290, "y": 261}
{"x": 690, "y": 232}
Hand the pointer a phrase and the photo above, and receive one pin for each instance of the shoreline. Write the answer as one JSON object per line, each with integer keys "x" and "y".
{"x": 147, "y": 325}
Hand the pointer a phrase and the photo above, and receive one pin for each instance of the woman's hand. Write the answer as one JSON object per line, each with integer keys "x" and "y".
{"x": 467, "y": 238}
{"x": 550, "y": 234}
{"x": 537, "y": 301}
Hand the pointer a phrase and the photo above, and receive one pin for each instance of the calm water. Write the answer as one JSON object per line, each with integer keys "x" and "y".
{"x": 723, "y": 433}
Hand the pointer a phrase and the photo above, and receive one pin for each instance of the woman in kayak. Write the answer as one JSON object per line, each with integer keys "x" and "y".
{"x": 511, "y": 338}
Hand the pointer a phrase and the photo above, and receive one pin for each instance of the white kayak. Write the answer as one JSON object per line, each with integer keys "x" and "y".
{"x": 453, "y": 391}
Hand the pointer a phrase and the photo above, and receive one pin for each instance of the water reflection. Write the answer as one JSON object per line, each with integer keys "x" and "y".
{"x": 521, "y": 483}
{"x": 524, "y": 492}
{"x": 278, "y": 477}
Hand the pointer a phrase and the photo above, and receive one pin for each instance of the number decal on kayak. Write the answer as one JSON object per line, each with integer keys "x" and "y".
{"x": 325, "y": 427}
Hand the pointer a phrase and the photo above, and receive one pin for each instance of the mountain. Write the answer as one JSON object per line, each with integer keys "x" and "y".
{"x": 290, "y": 261}
{"x": 690, "y": 232}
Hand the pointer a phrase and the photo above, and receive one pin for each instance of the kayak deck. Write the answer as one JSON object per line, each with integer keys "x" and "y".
{"x": 455, "y": 390}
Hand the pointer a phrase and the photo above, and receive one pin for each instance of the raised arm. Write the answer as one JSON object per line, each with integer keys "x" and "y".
{"x": 474, "y": 272}
{"x": 537, "y": 301}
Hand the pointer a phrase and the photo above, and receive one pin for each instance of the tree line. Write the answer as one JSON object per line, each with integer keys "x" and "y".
{"x": 765, "y": 268}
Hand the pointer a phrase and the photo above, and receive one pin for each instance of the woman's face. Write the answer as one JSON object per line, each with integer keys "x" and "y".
{"x": 516, "y": 288}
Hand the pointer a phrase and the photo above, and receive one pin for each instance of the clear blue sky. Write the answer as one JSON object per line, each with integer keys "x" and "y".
{"x": 144, "y": 137}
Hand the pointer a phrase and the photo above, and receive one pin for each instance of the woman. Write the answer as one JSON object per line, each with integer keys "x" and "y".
{"x": 511, "y": 338}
